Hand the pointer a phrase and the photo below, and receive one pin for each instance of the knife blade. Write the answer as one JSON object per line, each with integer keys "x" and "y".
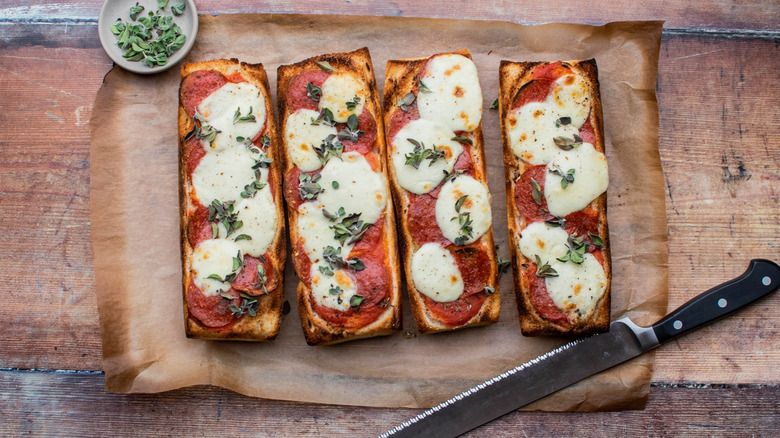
{"x": 579, "y": 359}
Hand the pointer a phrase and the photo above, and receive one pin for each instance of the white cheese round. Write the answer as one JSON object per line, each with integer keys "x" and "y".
{"x": 334, "y": 291}
{"x": 591, "y": 178}
{"x": 219, "y": 108}
{"x": 259, "y": 218}
{"x": 435, "y": 273}
{"x": 578, "y": 287}
{"x": 314, "y": 229}
{"x": 339, "y": 89}
{"x": 429, "y": 174}
{"x": 223, "y": 175}
{"x": 214, "y": 256}
{"x": 456, "y": 97}
{"x": 531, "y": 130}
{"x": 543, "y": 240}
{"x": 571, "y": 97}
{"x": 301, "y": 137}
{"x": 360, "y": 189}
{"x": 477, "y": 204}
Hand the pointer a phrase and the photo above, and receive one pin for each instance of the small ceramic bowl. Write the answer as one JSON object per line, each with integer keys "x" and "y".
{"x": 116, "y": 9}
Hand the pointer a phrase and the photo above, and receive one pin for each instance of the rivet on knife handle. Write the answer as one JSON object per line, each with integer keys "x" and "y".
{"x": 761, "y": 278}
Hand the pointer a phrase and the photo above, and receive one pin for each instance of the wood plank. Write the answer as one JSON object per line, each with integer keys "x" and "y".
{"x": 45, "y": 404}
{"x": 761, "y": 15}
{"x": 711, "y": 90}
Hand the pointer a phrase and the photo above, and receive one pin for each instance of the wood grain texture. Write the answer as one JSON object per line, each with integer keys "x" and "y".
{"x": 47, "y": 404}
{"x": 702, "y": 14}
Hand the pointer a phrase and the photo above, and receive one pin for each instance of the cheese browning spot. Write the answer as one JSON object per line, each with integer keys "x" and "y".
{"x": 458, "y": 91}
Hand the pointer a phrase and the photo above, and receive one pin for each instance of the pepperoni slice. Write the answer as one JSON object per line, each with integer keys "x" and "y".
{"x": 297, "y": 97}
{"x": 540, "y": 298}
{"x": 400, "y": 118}
{"x": 473, "y": 262}
{"x": 421, "y": 220}
{"x": 524, "y": 194}
{"x": 301, "y": 262}
{"x": 365, "y": 142}
{"x": 372, "y": 284}
{"x": 465, "y": 163}
{"x": 199, "y": 227}
{"x": 456, "y": 312}
{"x": 370, "y": 239}
{"x": 583, "y": 222}
{"x": 291, "y": 181}
{"x": 198, "y": 85}
{"x": 235, "y": 78}
{"x": 193, "y": 153}
{"x": 247, "y": 279}
{"x": 211, "y": 311}
{"x": 586, "y": 132}
{"x": 536, "y": 90}
{"x": 551, "y": 71}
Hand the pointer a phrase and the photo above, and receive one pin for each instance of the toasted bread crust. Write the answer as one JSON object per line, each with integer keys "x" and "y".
{"x": 265, "y": 325}
{"x": 317, "y": 330}
{"x": 512, "y": 76}
{"x": 399, "y": 80}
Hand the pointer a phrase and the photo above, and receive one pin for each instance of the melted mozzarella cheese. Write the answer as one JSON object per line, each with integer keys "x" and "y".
{"x": 456, "y": 97}
{"x": 219, "y": 108}
{"x": 223, "y": 175}
{"x": 334, "y": 291}
{"x": 532, "y": 129}
{"x": 578, "y": 287}
{"x": 339, "y": 89}
{"x": 214, "y": 256}
{"x": 543, "y": 240}
{"x": 591, "y": 179}
{"x": 571, "y": 96}
{"x": 435, "y": 273}
{"x": 477, "y": 204}
{"x": 259, "y": 218}
{"x": 302, "y": 137}
{"x": 315, "y": 232}
{"x": 360, "y": 189}
{"x": 429, "y": 174}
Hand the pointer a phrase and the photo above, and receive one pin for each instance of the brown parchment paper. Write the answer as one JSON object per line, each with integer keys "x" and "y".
{"x": 135, "y": 225}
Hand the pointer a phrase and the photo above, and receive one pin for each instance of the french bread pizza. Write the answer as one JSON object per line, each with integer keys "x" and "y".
{"x": 232, "y": 222}
{"x": 556, "y": 195}
{"x": 342, "y": 224}
{"x": 433, "y": 116}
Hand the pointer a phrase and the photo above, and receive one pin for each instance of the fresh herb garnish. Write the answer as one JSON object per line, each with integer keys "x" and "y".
{"x": 454, "y": 174}
{"x": 494, "y": 105}
{"x": 576, "y": 250}
{"x": 248, "y": 143}
{"x": 464, "y": 220}
{"x": 262, "y": 162}
{"x": 461, "y": 139}
{"x": 563, "y": 121}
{"x": 162, "y": 4}
{"x": 325, "y": 118}
{"x": 252, "y": 188}
{"x": 420, "y": 153}
{"x": 201, "y": 130}
{"x": 351, "y": 132}
{"x": 544, "y": 270}
{"x": 265, "y": 141}
{"x": 536, "y": 192}
{"x": 330, "y": 146}
{"x": 385, "y": 302}
{"x": 308, "y": 187}
{"x": 350, "y": 229}
{"x": 223, "y": 213}
{"x": 152, "y": 40}
{"x": 598, "y": 242}
{"x": 326, "y": 270}
{"x": 352, "y": 104}
{"x": 566, "y": 178}
{"x": 178, "y": 9}
{"x": 314, "y": 92}
{"x": 333, "y": 217}
{"x": 247, "y": 305}
{"x": 405, "y": 101}
{"x": 242, "y": 237}
{"x": 566, "y": 143}
{"x": 557, "y": 222}
{"x": 334, "y": 184}
{"x": 249, "y": 117}
{"x": 422, "y": 87}
{"x": 489, "y": 290}
{"x": 503, "y": 264}
{"x": 355, "y": 301}
{"x": 262, "y": 279}
{"x": 238, "y": 265}
{"x": 325, "y": 65}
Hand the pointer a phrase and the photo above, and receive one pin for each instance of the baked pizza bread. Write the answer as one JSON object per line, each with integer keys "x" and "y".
{"x": 556, "y": 182}
{"x": 433, "y": 115}
{"x": 342, "y": 226}
{"x": 232, "y": 223}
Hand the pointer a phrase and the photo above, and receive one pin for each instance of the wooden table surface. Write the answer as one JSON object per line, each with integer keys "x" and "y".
{"x": 719, "y": 106}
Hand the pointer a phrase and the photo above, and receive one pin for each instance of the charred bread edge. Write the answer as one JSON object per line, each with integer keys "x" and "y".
{"x": 264, "y": 326}
{"x": 399, "y": 80}
{"x": 317, "y": 330}
{"x": 511, "y": 76}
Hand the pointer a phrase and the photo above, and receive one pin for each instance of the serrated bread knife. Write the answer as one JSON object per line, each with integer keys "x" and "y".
{"x": 582, "y": 358}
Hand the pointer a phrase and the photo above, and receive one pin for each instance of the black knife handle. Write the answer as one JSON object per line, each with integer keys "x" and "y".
{"x": 761, "y": 279}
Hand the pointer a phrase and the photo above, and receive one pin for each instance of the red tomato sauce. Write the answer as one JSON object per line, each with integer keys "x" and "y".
{"x": 524, "y": 194}
{"x": 421, "y": 220}
{"x": 210, "y": 311}
{"x": 297, "y": 95}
